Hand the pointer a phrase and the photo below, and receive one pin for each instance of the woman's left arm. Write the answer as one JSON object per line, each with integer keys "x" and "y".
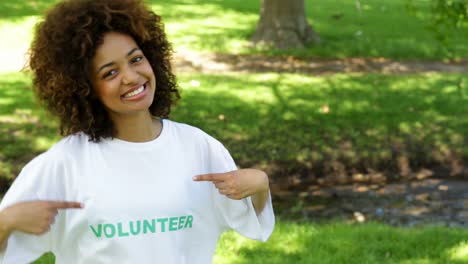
{"x": 239, "y": 184}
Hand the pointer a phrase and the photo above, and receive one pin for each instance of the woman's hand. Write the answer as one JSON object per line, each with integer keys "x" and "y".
{"x": 238, "y": 184}
{"x": 34, "y": 217}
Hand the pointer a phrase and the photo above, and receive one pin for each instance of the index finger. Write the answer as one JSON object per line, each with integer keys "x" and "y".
{"x": 65, "y": 204}
{"x": 210, "y": 177}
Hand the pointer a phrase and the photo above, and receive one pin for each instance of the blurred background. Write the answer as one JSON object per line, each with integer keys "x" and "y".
{"x": 358, "y": 111}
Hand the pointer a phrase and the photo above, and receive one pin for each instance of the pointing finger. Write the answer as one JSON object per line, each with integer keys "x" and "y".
{"x": 210, "y": 177}
{"x": 65, "y": 204}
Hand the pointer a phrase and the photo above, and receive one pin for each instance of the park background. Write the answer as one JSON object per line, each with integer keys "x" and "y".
{"x": 364, "y": 134}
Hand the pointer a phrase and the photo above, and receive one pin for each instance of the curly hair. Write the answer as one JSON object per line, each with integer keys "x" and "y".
{"x": 62, "y": 51}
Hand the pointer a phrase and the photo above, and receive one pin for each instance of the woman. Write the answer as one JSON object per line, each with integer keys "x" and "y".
{"x": 126, "y": 185}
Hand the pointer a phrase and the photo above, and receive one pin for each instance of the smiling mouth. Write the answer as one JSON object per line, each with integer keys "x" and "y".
{"x": 135, "y": 92}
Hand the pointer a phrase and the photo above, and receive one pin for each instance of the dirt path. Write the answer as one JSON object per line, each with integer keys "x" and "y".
{"x": 189, "y": 61}
{"x": 430, "y": 201}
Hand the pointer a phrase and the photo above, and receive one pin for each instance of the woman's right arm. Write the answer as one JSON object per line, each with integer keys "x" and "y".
{"x": 33, "y": 217}
{"x": 4, "y": 232}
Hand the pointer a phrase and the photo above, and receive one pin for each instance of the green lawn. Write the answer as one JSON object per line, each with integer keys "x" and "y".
{"x": 289, "y": 123}
{"x": 333, "y": 243}
{"x": 301, "y": 123}
{"x": 380, "y": 29}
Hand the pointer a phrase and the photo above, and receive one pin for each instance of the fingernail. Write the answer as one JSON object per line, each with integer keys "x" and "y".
{"x": 82, "y": 205}
{"x": 194, "y": 178}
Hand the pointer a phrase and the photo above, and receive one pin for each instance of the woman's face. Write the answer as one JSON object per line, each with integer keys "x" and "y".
{"x": 122, "y": 76}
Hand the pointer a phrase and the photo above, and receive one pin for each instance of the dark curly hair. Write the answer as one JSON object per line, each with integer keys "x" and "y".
{"x": 62, "y": 51}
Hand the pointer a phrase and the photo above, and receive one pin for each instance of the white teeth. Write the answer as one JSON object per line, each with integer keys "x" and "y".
{"x": 135, "y": 92}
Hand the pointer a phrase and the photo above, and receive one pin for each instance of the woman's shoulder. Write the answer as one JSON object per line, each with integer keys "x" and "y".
{"x": 180, "y": 127}
{"x": 60, "y": 151}
{"x": 70, "y": 143}
{"x": 188, "y": 131}
{"x": 190, "y": 134}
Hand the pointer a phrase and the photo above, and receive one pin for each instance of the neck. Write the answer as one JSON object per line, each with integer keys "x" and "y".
{"x": 137, "y": 128}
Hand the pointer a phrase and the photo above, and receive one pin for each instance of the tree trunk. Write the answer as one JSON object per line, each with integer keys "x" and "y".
{"x": 283, "y": 25}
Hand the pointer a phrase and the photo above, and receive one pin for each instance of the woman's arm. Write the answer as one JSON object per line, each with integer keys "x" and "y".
{"x": 5, "y": 231}
{"x": 259, "y": 201}
{"x": 34, "y": 217}
{"x": 242, "y": 183}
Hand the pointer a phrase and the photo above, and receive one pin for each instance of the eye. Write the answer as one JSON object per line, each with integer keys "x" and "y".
{"x": 137, "y": 59}
{"x": 109, "y": 73}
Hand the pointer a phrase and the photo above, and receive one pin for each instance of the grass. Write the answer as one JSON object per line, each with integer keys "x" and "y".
{"x": 379, "y": 29}
{"x": 347, "y": 243}
{"x": 334, "y": 243}
{"x": 301, "y": 123}
{"x": 25, "y": 130}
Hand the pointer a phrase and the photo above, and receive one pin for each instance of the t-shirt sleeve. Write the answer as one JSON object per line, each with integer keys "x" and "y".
{"x": 29, "y": 185}
{"x": 239, "y": 215}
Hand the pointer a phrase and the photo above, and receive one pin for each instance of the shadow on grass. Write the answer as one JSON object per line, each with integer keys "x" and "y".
{"x": 22, "y": 126}
{"x": 300, "y": 129}
{"x": 13, "y": 10}
{"x": 336, "y": 127}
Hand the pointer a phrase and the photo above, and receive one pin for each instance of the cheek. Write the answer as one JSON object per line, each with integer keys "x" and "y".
{"x": 104, "y": 94}
{"x": 148, "y": 69}
{"x": 105, "y": 91}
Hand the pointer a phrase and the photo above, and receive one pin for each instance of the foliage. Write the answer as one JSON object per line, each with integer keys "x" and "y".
{"x": 451, "y": 12}
{"x": 447, "y": 16}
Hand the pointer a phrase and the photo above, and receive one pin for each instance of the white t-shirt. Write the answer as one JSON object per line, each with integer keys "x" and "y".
{"x": 141, "y": 204}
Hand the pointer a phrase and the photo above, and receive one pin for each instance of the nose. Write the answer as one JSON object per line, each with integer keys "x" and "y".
{"x": 129, "y": 76}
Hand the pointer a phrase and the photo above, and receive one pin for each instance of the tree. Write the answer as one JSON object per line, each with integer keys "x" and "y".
{"x": 283, "y": 25}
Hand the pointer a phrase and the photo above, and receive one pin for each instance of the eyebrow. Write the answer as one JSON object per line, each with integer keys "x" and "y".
{"x": 112, "y": 63}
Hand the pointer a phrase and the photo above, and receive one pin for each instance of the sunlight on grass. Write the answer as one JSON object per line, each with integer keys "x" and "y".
{"x": 243, "y": 92}
{"x": 307, "y": 243}
{"x": 338, "y": 242}
{"x": 353, "y": 118}
{"x": 25, "y": 129}
{"x": 205, "y": 30}
{"x": 417, "y": 261}
{"x": 6, "y": 101}
{"x": 285, "y": 240}
{"x": 18, "y": 32}
{"x": 377, "y": 29}
{"x": 16, "y": 37}
{"x": 43, "y": 143}
{"x": 459, "y": 252}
